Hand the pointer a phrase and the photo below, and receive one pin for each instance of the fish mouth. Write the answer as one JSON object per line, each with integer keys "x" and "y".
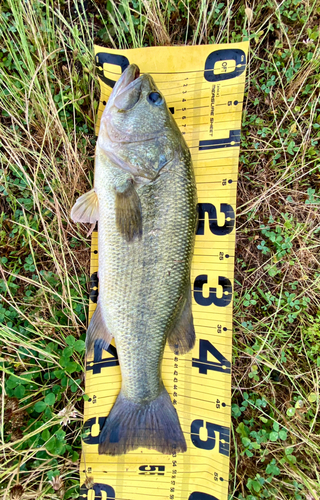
{"x": 130, "y": 74}
{"x": 128, "y": 90}
{"x": 128, "y": 78}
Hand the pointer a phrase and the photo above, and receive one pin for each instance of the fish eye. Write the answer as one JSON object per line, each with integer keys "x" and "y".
{"x": 155, "y": 98}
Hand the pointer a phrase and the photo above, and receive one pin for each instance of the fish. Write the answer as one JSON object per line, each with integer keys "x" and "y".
{"x": 144, "y": 200}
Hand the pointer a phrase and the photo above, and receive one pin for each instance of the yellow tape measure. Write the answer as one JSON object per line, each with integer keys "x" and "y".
{"x": 203, "y": 87}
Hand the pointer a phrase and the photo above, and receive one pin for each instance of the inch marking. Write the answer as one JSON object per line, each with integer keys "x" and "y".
{"x": 212, "y": 299}
{"x": 223, "y": 113}
{"x": 98, "y": 489}
{"x": 232, "y": 141}
{"x": 94, "y": 284}
{"x": 194, "y": 116}
{"x": 194, "y": 80}
{"x": 152, "y": 470}
{"x": 197, "y": 495}
{"x": 98, "y": 363}
{"x": 88, "y": 426}
{"x": 210, "y": 443}
{"x": 202, "y": 363}
{"x": 208, "y": 208}
{"x": 194, "y": 107}
{"x": 235, "y": 103}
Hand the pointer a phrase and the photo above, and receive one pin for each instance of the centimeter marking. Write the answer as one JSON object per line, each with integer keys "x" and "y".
{"x": 199, "y": 383}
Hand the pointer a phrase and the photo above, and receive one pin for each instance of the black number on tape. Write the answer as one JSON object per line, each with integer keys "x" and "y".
{"x": 210, "y": 443}
{"x": 98, "y": 489}
{"x": 212, "y": 299}
{"x": 87, "y": 426}
{"x": 230, "y": 142}
{"x": 94, "y": 283}
{"x": 211, "y": 210}
{"x": 98, "y": 363}
{"x": 115, "y": 59}
{"x": 236, "y": 55}
{"x": 202, "y": 363}
{"x": 151, "y": 470}
{"x": 197, "y": 495}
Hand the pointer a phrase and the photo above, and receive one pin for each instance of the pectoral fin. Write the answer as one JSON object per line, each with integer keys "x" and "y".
{"x": 128, "y": 211}
{"x": 86, "y": 208}
{"x": 97, "y": 330}
{"x": 182, "y": 336}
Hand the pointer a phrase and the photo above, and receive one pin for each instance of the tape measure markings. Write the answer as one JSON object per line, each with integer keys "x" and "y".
{"x": 211, "y": 280}
{"x": 94, "y": 400}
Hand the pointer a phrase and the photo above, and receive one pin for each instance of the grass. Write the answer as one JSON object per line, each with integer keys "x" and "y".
{"x": 48, "y": 103}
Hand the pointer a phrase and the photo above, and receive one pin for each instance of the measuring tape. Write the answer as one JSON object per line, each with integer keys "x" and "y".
{"x": 203, "y": 87}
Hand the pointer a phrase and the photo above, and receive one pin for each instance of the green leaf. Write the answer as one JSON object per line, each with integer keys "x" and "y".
{"x": 60, "y": 435}
{"x": 70, "y": 340}
{"x": 275, "y": 426}
{"x": 256, "y": 446}
{"x": 292, "y": 459}
{"x": 263, "y": 419}
{"x": 51, "y": 445}
{"x": 67, "y": 352}
{"x": 79, "y": 345}
{"x": 283, "y": 434}
{"x": 50, "y": 399}
{"x": 291, "y": 411}
{"x": 272, "y": 469}
{"x": 40, "y": 406}
{"x": 75, "y": 456}
{"x": 52, "y": 473}
{"x": 273, "y": 271}
{"x": 256, "y": 486}
{"x": 242, "y": 430}
{"x": 72, "y": 367}
{"x": 58, "y": 373}
{"x": 19, "y": 391}
{"x": 246, "y": 441}
{"x": 45, "y": 435}
{"x": 236, "y": 412}
{"x": 273, "y": 436}
{"x": 12, "y": 382}
{"x": 60, "y": 448}
{"x": 312, "y": 398}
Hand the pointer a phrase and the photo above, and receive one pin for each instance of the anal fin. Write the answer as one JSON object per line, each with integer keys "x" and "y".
{"x": 97, "y": 331}
{"x": 181, "y": 337}
{"x": 128, "y": 211}
{"x": 86, "y": 208}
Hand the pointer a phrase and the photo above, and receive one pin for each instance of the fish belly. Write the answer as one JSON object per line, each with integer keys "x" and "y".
{"x": 142, "y": 282}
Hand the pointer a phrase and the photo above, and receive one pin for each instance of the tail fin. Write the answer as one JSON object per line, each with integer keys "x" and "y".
{"x": 152, "y": 425}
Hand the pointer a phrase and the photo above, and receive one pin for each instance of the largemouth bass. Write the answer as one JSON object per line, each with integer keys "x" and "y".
{"x": 144, "y": 198}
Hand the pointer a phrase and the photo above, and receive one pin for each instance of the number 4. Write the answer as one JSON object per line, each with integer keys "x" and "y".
{"x": 202, "y": 363}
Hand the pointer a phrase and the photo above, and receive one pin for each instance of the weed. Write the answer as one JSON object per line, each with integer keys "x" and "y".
{"x": 48, "y": 104}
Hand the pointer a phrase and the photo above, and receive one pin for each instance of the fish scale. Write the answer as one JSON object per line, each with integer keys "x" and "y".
{"x": 150, "y": 274}
{"x": 144, "y": 197}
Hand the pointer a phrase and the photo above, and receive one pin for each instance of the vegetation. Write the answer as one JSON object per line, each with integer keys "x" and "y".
{"x": 48, "y": 103}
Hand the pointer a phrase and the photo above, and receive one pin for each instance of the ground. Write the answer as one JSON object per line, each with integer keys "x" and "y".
{"x": 49, "y": 97}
